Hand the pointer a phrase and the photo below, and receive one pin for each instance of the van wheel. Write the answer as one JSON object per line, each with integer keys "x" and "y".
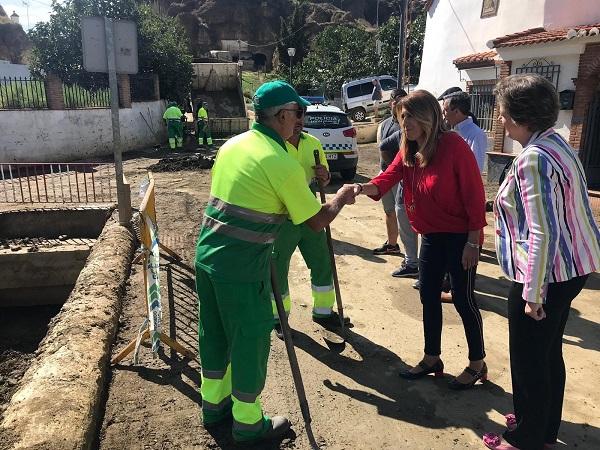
{"x": 348, "y": 174}
{"x": 358, "y": 114}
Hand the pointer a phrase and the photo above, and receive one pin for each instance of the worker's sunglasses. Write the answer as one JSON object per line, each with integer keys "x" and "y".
{"x": 299, "y": 112}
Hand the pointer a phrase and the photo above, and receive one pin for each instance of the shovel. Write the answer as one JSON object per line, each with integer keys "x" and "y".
{"x": 332, "y": 338}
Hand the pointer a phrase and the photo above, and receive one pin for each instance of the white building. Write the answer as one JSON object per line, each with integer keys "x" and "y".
{"x": 10, "y": 70}
{"x": 473, "y": 43}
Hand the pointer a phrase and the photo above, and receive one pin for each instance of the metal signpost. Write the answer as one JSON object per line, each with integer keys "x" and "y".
{"x": 110, "y": 46}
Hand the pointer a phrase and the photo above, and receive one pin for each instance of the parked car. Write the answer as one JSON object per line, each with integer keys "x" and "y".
{"x": 331, "y": 126}
{"x": 356, "y": 95}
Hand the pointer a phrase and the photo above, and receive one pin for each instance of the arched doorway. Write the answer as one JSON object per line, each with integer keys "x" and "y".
{"x": 260, "y": 61}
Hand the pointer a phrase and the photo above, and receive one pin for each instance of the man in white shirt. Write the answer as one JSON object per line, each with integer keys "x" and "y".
{"x": 457, "y": 113}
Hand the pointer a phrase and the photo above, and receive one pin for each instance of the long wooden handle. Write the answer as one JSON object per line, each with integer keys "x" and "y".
{"x": 336, "y": 283}
{"x": 291, "y": 352}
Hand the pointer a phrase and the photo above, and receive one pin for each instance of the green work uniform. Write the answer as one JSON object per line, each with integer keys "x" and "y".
{"x": 202, "y": 128}
{"x": 312, "y": 245}
{"x": 174, "y": 126}
{"x": 256, "y": 185}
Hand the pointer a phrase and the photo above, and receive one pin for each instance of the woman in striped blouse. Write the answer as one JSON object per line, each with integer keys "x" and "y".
{"x": 548, "y": 243}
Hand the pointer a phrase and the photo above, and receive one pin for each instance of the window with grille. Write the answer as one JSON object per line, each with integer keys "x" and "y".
{"x": 483, "y": 102}
{"x": 543, "y": 67}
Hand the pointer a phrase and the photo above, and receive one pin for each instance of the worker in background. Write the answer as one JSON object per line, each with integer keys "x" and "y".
{"x": 202, "y": 126}
{"x": 174, "y": 118}
{"x": 256, "y": 185}
{"x": 312, "y": 245}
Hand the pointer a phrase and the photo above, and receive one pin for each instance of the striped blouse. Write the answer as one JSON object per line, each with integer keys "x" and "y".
{"x": 545, "y": 231}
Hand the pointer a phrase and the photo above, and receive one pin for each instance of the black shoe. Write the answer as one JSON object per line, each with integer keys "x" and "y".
{"x": 477, "y": 375}
{"x": 278, "y": 330}
{"x": 405, "y": 271}
{"x": 332, "y": 320}
{"x": 279, "y": 427}
{"x": 437, "y": 368}
{"x": 387, "y": 249}
{"x": 417, "y": 285}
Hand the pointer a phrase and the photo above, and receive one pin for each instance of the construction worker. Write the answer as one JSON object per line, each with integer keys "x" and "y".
{"x": 255, "y": 186}
{"x": 202, "y": 128}
{"x": 312, "y": 245}
{"x": 173, "y": 118}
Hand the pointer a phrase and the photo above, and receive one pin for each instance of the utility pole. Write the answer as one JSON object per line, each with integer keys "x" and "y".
{"x": 26, "y": 4}
{"x": 402, "y": 42}
{"x": 123, "y": 196}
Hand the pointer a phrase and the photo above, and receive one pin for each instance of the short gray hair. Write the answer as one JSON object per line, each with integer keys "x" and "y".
{"x": 529, "y": 99}
{"x": 265, "y": 115}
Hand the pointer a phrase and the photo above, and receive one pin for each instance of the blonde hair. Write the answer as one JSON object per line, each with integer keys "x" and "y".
{"x": 425, "y": 109}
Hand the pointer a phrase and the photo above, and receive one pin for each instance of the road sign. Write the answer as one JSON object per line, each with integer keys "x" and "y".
{"x": 93, "y": 38}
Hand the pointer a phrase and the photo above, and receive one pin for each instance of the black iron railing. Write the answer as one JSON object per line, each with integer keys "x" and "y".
{"x": 22, "y": 93}
{"x": 77, "y": 97}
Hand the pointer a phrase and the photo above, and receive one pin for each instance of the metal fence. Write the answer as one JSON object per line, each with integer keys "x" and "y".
{"x": 483, "y": 102}
{"x": 77, "y": 97}
{"x": 57, "y": 183}
{"x": 22, "y": 93}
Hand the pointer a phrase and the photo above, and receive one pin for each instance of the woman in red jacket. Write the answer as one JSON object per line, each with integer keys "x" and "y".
{"x": 445, "y": 203}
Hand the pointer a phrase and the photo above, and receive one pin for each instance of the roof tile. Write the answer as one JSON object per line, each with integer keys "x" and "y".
{"x": 537, "y": 36}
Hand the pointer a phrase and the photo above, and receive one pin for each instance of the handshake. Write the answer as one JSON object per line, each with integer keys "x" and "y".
{"x": 348, "y": 192}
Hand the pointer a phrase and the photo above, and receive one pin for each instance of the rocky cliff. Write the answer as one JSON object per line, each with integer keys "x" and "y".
{"x": 209, "y": 22}
{"x": 13, "y": 40}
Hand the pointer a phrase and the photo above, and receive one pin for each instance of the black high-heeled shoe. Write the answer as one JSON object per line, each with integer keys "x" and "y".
{"x": 482, "y": 375}
{"x": 437, "y": 369}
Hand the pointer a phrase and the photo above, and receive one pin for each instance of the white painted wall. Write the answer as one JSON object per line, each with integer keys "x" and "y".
{"x": 7, "y": 69}
{"x": 455, "y": 28}
{"x": 72, "y": 135}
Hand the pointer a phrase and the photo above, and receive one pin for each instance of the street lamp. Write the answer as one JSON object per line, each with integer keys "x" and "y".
{"x": 291, "y": 52}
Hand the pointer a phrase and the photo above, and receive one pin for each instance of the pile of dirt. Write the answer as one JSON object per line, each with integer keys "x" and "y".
{"x": 185, "y": 162}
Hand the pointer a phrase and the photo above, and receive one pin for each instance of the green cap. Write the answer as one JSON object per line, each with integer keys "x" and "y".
{"x": 276, "y": 93}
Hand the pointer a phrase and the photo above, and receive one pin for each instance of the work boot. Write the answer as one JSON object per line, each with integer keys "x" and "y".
{"x": 279, "y": 426}
{"x": 332, "y": 320}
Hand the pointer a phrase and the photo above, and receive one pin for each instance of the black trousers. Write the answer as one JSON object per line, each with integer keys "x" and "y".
{"x": 441, "y": 252}
{"x": 536, "y": 364}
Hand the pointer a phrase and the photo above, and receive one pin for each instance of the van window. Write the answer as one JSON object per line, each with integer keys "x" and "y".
{"x": 387, "y": 84}
{"x": 354, "y": 91}
{"x": 320, "y": 120}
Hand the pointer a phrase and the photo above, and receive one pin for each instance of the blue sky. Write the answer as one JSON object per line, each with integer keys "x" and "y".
{"x": 39, "y": 10}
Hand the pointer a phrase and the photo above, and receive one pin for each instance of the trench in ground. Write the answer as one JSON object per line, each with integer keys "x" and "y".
{"x": 42, "y": 252}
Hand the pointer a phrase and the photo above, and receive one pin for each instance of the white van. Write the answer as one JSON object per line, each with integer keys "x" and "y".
{"x": 356, "y": 95}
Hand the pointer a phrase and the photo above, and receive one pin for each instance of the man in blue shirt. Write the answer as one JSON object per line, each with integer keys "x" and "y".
{"x": 457, "y": 113}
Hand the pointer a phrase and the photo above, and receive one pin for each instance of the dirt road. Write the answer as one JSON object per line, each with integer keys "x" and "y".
{"x": 357, "y": 399}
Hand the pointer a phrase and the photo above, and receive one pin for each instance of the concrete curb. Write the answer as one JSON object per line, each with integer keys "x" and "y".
{"x": 57, "y": 404}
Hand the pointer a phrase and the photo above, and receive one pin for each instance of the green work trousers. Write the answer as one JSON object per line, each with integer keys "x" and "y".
{"x": 175, "y": 132}
{"x": 234, "y": 338}
{"x": 203, "y": 132}
{"x": 313, "y": 247}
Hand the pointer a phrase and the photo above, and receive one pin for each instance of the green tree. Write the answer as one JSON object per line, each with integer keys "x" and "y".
{"x": 339, "y": 53}
{"x": 388, "y": 35}
{"x": 293, "y": 33}
{"x": 161, "y": 44}
{"x": 164, "y": 50}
